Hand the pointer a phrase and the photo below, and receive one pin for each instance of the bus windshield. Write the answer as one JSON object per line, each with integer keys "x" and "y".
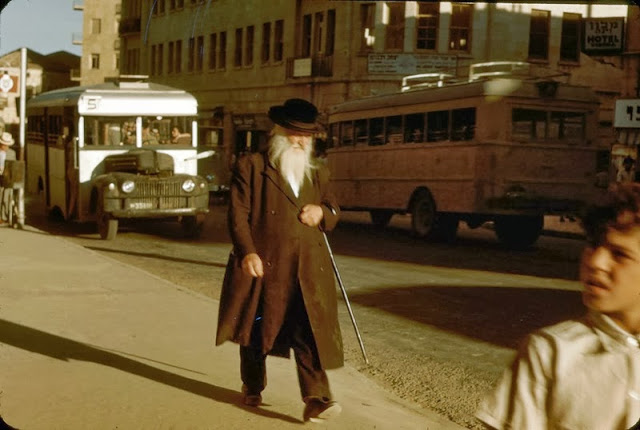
{"x": 123, "y": 131}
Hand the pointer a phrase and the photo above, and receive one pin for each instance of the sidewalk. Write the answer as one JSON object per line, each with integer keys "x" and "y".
{"x": 87, "y": 342}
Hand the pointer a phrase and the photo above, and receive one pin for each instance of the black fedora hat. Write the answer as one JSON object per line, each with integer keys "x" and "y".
{"x": 297, "y": 115}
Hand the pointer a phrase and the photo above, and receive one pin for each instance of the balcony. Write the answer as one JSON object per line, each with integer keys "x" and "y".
{"x": 76, "y": 38}
{"x": 78, "y": 4}
{"x": 129, "y": 25}
{"x": 319, "y": 65}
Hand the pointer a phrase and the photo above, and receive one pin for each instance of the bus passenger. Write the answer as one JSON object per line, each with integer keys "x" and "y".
{"x": 177, "y": 137}
{"x": 149, "y": 136}
{"x": 279, "y": 293}
{"x": 585, "y": 373}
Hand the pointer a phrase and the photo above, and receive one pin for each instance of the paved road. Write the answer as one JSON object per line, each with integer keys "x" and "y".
{"x": 439, "y": 321}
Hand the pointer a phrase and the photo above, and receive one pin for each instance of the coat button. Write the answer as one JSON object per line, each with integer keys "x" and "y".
{"x": 322, "y": 269}
{"x": 273, "y": 212}
{"x": 269, "y": 263}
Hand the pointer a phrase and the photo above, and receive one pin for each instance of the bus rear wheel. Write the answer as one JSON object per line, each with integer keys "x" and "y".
{"x": 380, "y": 217}
{"x": 107, "y": 225}
{"x": 423, "y": 215}
{"x": 519, "y": 231}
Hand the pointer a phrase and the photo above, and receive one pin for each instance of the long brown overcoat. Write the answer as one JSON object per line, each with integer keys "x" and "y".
{"x": 263, "y": 219}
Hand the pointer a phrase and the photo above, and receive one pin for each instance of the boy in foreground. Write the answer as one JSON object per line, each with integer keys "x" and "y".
{"x": 584, "y": 374}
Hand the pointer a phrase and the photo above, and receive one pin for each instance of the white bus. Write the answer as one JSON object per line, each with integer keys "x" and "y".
{"x": 501, "y": 146}
{"x": 107, "y": 152}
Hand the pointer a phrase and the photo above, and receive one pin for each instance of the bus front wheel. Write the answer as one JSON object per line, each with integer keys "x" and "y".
{"x": 519, "y": 231}
{"x": 191, "y": 227}
{"x": 107, "y": 225}
{"x": 380, "y": 217}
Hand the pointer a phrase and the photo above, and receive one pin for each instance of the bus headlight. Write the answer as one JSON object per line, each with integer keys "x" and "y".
{"x": 128, "y": 186}
{"x": 189, "y": 185}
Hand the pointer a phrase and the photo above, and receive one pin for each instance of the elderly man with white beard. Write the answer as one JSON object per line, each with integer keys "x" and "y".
{"x": 278, "y": 292}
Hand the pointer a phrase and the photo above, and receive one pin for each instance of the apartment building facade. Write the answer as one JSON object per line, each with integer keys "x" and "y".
{"x": 100, "y": 40}
{"x": 239, "y": 58}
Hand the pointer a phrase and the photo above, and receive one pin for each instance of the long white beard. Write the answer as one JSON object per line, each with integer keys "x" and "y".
{"x": 292, "y": 163}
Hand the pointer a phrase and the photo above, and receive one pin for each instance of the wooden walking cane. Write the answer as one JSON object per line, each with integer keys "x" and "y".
{"x": 346, "y": 299}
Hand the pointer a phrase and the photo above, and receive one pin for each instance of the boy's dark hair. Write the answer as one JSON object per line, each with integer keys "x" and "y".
{"x": 620, "y": 211}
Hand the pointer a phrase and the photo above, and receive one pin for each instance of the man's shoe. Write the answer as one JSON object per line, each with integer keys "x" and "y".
{"x": 318, "y": 411}
{"x": 248, "y": 399}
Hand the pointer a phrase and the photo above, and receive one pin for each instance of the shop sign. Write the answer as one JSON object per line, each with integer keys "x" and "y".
{"x": 603, "y": 35}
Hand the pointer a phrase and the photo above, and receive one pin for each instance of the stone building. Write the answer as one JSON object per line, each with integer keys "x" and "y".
{"x": 44, "y": 73}
{"x": 100, "y": 40}
{"x": 239, "y": 58}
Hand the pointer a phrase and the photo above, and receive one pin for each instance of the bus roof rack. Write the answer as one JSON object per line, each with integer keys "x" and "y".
{"x": 130, "y": 81}
{"x": 426, "y": 80}
{"x": 498, "y": 68}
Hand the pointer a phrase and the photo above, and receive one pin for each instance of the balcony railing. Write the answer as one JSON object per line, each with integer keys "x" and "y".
{"x": 129, "y": 25}
{"x": 76, "y": 38}
{"x": 78, "y": 4}
{"x": 319, "y": 65}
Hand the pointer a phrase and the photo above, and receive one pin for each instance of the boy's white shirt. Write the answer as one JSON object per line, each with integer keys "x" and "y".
{"x": 579, "y": 374}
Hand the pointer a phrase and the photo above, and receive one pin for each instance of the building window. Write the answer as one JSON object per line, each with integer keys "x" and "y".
{"x": 460, "y": 29}
{"x": 170, "y": 60}
{"x": 539, "y": 35}
{"x": 317, "y": 33}
{"x": 248, "y": 52}
{"x": 152, "y": 65}
{"x": 199, "y": 52}
{"x": 116, "y": 61}
{"x": 160, "y": 60}
{"x": 179, "y": 4}
{"x": 306, "y": 36}
{"x": 161, "y": 4}
{"x": 213, "y": 50}
{"x": 237, "y": 57}
{"x": 570, "y": 39}
{"x": 222, "y": 59}
{"x": 427, "y": 25}
{"x": 178, "y": 57}
{"x": 95, "y": 26}
{"x": 367, "y": 25}
{"x": 394, "y": 39}
{"x": 95, "y": 61}
{"x": 331, "y": 32}
{"x": 172, "y": 4}
{"x": 266, "y": 42}
{"x": 278, "y": 41}
{"x": 191, "y": 54}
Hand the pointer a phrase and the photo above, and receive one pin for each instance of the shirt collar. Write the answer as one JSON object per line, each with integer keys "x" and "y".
{"x": 613, "y": 332}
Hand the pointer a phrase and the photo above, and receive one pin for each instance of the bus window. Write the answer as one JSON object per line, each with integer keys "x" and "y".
{"x": 110, "y": 131}
{"x": 394, "y": 129}
{"x": 346, "y": 133}
{"x": 414, "y": 128}
{"x": 437, "y": 126}
{"x": 376, "y": 131}
{"x": 567, "y": 126}
{"x": 528, "y": 124}
{"x": 362, "y": 132}
{"x": 463, "y": 123}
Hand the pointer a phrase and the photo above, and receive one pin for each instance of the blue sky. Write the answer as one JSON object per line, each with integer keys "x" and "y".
{"x": 44, "y": 26}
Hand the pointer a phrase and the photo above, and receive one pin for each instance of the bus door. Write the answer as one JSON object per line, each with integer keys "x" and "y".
{"x": 55, "y": 170}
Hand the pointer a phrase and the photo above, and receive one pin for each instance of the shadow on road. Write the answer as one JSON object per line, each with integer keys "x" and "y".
{"x": 51, "y": 345}
{"x": 499, "y": 315}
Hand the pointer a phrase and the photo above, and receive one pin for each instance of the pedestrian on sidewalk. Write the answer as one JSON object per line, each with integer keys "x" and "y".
{"x": 279, "y": 292}
{"x": 585, "y": 373}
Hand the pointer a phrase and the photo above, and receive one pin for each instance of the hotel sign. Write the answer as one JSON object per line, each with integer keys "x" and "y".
{"x": 603, "y": 35}
{"x": 408, "y": 64}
